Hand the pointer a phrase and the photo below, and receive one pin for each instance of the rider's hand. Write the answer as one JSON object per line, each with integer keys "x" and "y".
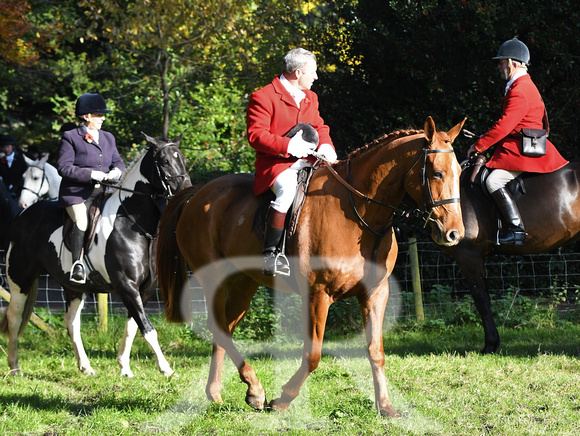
{"x": 114, "y": 175}
{"x": 98, "y": 176}
{"x": 327, "y": 151}
{"x": 472, "y": 151}
{"x": 298, "y": 147}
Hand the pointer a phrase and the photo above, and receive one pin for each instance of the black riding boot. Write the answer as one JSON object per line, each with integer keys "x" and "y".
{"x": 77, "y": 273}
{"x": 514, "y": 234}
{"x": 275, "y": 262}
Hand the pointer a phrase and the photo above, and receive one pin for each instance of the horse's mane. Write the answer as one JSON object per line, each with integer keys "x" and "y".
{"x": 129, "y": 167}
{"x": 383, "y": 140}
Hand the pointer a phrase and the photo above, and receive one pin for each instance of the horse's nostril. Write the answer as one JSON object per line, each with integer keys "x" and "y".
{"x": 454, "y": 235}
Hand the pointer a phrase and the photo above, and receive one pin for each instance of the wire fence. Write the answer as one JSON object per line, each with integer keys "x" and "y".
{"x": 554, "y": 276}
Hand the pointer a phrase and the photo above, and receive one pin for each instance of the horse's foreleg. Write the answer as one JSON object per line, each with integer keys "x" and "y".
{"x": 124, "y": 356}
{"x": 162, "y": 363}
{"x": 373, "y": 312}
{"x": 315, "y": 313}
{"x": 72, "y": 320}
{"x": 11, "y": 324}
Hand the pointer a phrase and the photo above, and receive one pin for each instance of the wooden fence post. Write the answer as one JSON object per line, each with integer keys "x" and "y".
{"x": 103, "y": 309}
{"x": 416, "y": 280}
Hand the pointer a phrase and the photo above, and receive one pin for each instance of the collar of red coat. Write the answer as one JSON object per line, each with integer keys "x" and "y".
{"x": 285, "y": 95}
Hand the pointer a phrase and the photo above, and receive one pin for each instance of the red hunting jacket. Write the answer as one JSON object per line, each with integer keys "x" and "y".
{"x": 271, "y": 113}
{"x": 522, "y": 108}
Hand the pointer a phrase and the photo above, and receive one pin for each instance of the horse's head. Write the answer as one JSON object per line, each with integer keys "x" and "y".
{"x": 35, "y": 184}
{"x": 437, "y": 186}
{"x": 165, "y": 165}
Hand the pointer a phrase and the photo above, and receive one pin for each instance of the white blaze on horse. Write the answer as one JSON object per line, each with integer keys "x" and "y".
{"x": 41, "y": 181}
{"x": 121, "y": 258}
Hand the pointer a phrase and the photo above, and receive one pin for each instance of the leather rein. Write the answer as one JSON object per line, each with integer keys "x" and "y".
{"x": 428, "y": 202}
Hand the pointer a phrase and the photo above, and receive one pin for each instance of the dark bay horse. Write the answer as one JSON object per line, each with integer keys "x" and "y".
{"x": 550, "y": 209}
{"x": 344, "y": 246}
{"x": 120, "y": 260}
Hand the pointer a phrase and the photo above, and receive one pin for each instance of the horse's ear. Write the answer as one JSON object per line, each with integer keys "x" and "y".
{"x": 28, "y": 160}
{"x": 44, "y": 157}
{"x": 148, "y": 138}
{"x": 455, "y": 130}
{"x": 177, "y": 140}
{"x": 430, "y": 129}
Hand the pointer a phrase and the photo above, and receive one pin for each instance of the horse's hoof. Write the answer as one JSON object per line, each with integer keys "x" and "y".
{"x": 277, "y": 405}
{"x": 88, "y": 371}
{"x": 256, "y": 402}
{"x": 127, "y": 373}
{"x": 389, "y": 412}
{"x": 15, "y": 372}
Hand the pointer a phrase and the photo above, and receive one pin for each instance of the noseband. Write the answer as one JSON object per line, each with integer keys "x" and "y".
{"x": 428, "y": 202}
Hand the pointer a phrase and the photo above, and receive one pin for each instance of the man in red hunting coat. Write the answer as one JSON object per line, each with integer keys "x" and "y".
{"x": 271, "y": 114}
{"x": 522, "y": 108}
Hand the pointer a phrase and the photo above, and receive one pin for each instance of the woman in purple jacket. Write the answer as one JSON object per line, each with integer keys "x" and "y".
{"x": 87, "y": 155}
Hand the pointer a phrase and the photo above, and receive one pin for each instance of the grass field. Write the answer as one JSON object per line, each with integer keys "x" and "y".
{"x": 437, "y": 380}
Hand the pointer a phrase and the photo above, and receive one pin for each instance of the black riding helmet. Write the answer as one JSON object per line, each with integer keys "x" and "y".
{"x": 91, "y": 103}
{"x": 514, "y": 49}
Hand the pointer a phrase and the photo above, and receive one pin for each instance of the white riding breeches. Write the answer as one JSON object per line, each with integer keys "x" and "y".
{"x": 498, "y": 178}
{"x": 286, "y": 184}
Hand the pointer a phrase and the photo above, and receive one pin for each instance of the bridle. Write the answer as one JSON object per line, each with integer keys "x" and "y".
{"x": 44, "y": 179}
{"x": 162, "y": 175}
{"x": 429, "y": 204}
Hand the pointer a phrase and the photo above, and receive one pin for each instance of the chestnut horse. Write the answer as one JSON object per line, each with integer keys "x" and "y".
{"x": 344, "y": 246}
{"x": 550, "y": 210}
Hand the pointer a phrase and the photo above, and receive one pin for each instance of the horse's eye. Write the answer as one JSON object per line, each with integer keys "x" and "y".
{"x": 438, "y": 175}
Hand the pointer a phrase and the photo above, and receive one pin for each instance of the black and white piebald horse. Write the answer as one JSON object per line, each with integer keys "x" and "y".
{"x": 121, "y": 258}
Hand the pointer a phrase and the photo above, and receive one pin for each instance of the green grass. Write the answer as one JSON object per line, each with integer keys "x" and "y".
{"x": 437, "y": 380}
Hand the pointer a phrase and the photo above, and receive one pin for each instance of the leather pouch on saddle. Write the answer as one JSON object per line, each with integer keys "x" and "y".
{"x": 533, "y": 142}
{"x": 95, "y": 211}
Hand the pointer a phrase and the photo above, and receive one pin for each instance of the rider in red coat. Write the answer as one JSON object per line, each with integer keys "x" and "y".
{"x": 271, "y": 114}
{"x": 522, "y": 108}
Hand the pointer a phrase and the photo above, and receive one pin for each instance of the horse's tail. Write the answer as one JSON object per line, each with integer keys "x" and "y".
{"x": 26, "y": 312}
{"x": 171, "y": 265}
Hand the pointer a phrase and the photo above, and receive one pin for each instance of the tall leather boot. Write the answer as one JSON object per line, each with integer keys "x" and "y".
{"x": 275, "y": 262}
{"x": 514, "y": 234}
{"x": 77, "y": 273}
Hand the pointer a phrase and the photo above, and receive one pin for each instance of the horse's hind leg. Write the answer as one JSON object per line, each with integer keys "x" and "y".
{"x": 225, "y": 310}
{"x": 72, "y": 320}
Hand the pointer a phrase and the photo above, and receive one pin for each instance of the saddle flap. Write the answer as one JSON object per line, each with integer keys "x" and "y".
{"x": 259, "y": 225}
{"x": 95, "y": 212}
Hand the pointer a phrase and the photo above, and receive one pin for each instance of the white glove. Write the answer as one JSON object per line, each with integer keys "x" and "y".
{"x": 327, "y": 151}
{"x": 98, "y": 176}
{"x": 299, "y": 147}
{"x": 114, "y": 175}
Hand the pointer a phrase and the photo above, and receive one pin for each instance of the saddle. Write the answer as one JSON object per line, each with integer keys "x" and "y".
{"x": 259, "y": 223}
{"x": 479, "y": 173}
{"x": 95, "y": 213}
